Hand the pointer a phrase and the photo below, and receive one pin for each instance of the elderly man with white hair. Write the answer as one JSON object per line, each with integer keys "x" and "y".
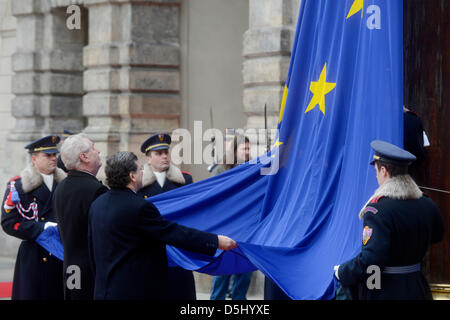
{"x": 71, "y": 202}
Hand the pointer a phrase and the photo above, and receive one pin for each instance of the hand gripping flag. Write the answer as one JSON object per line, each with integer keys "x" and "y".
{"x": 49, "y": 240}
{"x": 344, "y": 89}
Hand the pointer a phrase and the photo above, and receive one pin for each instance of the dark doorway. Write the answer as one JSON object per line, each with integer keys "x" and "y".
{"x": 427, "y": 92}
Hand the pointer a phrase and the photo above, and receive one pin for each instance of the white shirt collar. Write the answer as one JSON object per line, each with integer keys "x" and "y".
{"x": 48, "y": 180}
{"x": 160, "y": 177}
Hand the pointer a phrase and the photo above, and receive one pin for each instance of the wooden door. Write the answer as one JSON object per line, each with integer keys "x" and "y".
{"x": 427, "y": 91}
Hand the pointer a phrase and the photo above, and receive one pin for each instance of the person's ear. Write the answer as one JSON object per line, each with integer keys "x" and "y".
{"x": 132, "y": 176}
{"x": 384, "y": 172}
{"x": 83, "y": 157}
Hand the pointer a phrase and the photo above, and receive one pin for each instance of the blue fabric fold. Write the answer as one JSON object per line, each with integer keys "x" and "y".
{"x": 49, "y": 239}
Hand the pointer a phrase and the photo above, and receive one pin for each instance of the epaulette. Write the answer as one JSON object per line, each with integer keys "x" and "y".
{"x": 14, "y": 179}
{"x": 13, "y": 197}
{"x": 375, "y": 200}
{"x": 185, "y": 172}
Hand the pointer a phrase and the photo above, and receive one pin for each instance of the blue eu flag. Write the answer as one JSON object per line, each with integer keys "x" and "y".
{"x": 344, "y": 89}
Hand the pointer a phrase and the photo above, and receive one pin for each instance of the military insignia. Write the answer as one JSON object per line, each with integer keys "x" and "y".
{"x": 54, "y": 139}
{"x": 370, "y": 209}
{"x": 367, "y": 234}
{"x": 161, "y": 137}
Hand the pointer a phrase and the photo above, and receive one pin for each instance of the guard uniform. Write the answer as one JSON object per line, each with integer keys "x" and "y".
{"x": 399, "y": 225}
{"x": 181, "y": 281}
{"x": 26, "y": 207}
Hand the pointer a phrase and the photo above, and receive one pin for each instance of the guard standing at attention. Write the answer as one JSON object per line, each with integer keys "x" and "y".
{"x": 26, "y": 212}
{"x": 159, "y": 176}
{"x": 400, "y": 223}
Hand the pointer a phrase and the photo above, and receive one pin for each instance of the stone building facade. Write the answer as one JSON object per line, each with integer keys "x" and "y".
{"x": 137, "y": 67}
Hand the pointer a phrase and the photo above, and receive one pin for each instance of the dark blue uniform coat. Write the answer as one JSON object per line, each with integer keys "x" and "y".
{"x": 38, "y": 275}
{"x": 398, "y": 234}
{"x": 181, "y": 282}
{"x": 127, "y": 241}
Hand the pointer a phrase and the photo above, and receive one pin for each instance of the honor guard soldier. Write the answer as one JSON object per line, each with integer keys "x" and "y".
{"x": 26, "y": 212}
{"x": 400, "y": 223}
{"x": 159, "y": 176}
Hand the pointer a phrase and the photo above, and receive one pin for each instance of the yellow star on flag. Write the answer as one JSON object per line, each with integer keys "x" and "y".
{"x": 320, "y": 89}
{"x": 356, "y": 6}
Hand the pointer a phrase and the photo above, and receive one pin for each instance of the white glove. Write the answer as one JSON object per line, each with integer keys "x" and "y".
{"x": 336, "y": 273}
{"x": 50, "y": 224}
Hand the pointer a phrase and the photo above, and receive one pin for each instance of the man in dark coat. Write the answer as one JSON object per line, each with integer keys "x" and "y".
{"x": 72, "y": 200}
{"x": 26, "y": 212}
{"x": 400, "y": 223}
{"x": 162, "y": 176}
{"x": 128, "y": 237}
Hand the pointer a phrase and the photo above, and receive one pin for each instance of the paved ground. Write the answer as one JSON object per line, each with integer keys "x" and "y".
{"x": 7, "y": 272}
{"x": 6, "y": 269}
{"x": 205, "y": 296}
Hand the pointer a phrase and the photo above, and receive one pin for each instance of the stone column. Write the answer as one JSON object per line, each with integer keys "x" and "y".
{"x": 132, "y": 76}
{"x": 48, "y": 72}
{"x": 47, "y": 79}
{"x": 7, "y": 47}
{"x": 267, "y": 49}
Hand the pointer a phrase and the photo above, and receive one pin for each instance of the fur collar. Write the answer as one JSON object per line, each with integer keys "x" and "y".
{"x": 31, "y": 178}
{"x": 173, "y": 174}
{"x": 400, "y": 187}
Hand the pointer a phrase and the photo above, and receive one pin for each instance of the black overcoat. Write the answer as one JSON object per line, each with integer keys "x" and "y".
{"x": 127, "y": 239}
{"x": 181, "y": 282}
{"x": 397, "y": 233}
{"x": 72, "y": 200}
{"x": 37, "y": 273}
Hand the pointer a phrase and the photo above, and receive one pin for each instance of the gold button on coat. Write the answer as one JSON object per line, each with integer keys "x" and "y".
{"x": 44, "y": 259}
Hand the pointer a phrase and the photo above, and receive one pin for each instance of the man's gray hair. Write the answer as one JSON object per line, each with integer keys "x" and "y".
{"x": 71, "y": 149}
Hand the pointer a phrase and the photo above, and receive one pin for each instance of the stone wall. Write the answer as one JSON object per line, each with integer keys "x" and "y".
{"x": 7, "y": 121}
{"x": 267, "y": 48}
{"x": 132, "y": 76}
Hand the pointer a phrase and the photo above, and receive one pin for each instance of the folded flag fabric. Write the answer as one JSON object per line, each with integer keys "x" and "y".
{"x": 49, "y": 239}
